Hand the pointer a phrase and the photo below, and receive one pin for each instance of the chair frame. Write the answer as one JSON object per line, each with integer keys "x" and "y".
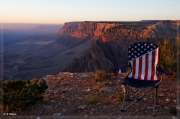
{"x": 135, "y": 95}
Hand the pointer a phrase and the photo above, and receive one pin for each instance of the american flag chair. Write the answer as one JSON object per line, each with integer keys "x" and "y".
{"x": 143, "y": 61}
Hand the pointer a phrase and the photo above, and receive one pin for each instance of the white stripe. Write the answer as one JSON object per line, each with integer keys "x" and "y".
{"x": 130, "y": 75}
{"x": 156, "y": 62}
{"x": 137, "y": 69}
{"x": 143, "y": 66}
{"x": 149, "y": 65}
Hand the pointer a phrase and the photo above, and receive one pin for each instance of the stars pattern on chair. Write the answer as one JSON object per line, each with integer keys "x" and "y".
{"x": 139, "y": 49}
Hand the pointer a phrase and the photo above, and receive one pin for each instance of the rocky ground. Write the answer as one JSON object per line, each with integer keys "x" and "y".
{"x": 81, "y": 94}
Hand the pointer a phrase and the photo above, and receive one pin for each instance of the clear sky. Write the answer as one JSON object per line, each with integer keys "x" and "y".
{"x": 60, "y": 11}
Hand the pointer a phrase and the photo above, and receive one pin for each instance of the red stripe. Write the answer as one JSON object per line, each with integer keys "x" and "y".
{"x": 153, "y": 65}
{"x": 134, "y": 68}
{"x": 158, "y": 54}
{"x": 158, "y": 59}
{"x": 140, "y": 68}
{"x": 146, "y": 67}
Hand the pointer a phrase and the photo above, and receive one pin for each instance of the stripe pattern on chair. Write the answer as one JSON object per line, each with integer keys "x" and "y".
{"x": 144, "y": 58}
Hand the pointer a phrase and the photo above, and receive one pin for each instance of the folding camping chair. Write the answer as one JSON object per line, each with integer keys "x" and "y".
{"x": 143, "y": 61}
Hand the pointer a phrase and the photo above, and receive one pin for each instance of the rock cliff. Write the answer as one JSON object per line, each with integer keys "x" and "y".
{"x": 121, "y": 30}
{"x": 110, "y": 40}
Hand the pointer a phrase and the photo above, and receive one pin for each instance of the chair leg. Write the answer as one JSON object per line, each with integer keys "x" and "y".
{"x": 126, "y": 94}
{"x": 124, "y": 90}
{"x": 138, "y": 99}
{"x": 156, "y": 93}
{"x": 155, "y": 99}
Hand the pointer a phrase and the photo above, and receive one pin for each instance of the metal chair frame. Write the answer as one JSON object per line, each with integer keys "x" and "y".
{"x": 138, "y": 98}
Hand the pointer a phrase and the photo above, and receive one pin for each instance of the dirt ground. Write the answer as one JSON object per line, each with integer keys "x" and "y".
{"x": 79, "y": 94}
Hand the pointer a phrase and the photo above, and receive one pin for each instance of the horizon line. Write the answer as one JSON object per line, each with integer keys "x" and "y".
{"x": 83, "y": 21}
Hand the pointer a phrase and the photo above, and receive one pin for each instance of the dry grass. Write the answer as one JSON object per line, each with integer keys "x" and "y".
{"x": 91, "y": 98}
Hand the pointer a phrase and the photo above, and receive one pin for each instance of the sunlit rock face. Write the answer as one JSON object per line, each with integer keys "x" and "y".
{"x": 121, "y": 30}
{"x": 110, "y": 40}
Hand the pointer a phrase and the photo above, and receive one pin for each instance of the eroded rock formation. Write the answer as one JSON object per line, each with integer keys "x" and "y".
{"x": 110, "y": 40}
{"x": 121, "y": 30}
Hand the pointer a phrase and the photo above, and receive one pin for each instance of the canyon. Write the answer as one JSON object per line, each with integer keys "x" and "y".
{"x": 111, "y": 39}
{"x": 80, "y": 47}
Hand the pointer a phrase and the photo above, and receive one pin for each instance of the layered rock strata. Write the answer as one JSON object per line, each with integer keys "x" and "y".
{"x": 111, "y": 39}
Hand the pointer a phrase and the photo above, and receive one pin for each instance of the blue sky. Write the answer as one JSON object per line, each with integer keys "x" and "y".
{"x": 60, "y": 11}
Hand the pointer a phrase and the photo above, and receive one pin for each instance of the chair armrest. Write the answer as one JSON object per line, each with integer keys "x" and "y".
{"x": 161, "y": 70}
{"x": 122, "y": 67}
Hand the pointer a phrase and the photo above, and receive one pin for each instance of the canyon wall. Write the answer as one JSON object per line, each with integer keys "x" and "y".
{"x": 121, "y": 30}
{"x": 111, "y": 39}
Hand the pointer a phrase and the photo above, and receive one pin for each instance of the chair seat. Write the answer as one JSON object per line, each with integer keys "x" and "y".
{"x": 139, "y": 83}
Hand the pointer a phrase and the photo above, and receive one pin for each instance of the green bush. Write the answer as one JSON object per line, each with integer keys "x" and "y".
{"x": 22, "y": 93}
{"x": 168, "y": 58}
{"x": 173, "y": 110}
{"x": 1, "y": 95}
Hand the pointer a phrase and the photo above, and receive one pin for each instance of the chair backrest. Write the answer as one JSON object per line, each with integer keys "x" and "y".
{"x": 144, "y": 58}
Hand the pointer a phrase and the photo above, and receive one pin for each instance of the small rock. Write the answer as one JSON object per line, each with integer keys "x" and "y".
{"x": 161, "y": 95}
{"x": 71, "y": 75}
{"x": 57, "y": 114}
{"x": 166, "y": 107}
{"x": 83, "y": 75}
{"x": 158, "y": 106}
{"x": 142, "y": 108}
{"x": 106, "y": 90}
{"x": 38, "y": 117}
{"x": 88, "y": 90}
{"x": 56, "y": 91}
{"x": 150, "y": 107}
{"x": 51, "y": 92}
{"x": 144, "y": 99}
{"x": 47, "y": 90}
{"x": 48, "y": 107}
{"x": 65, "y": 110}
{"x": 53, "y": 101}
{"x": 82, "y": 107}
{"x": 75, "y": 73}
{"x": 167, "y": 100}
{"x": 80, "y": 98}
{"x": 104, "y": 107}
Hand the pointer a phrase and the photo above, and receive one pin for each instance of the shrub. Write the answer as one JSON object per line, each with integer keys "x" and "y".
{"x": 106, "y": 100}
{"x": 101, "y": 74}
{"x": 62, "y": 96}
{"x": 22, "y": 93}
{"x": 173, "y": 110}
{"x": 168, "y": 56}
{"x": 99, "y": 85}
{"x": 119, "y": 96}
{"x": 91, "y": 98}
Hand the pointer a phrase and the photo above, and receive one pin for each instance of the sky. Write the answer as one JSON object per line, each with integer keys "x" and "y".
{"x": 61, "y": 11}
